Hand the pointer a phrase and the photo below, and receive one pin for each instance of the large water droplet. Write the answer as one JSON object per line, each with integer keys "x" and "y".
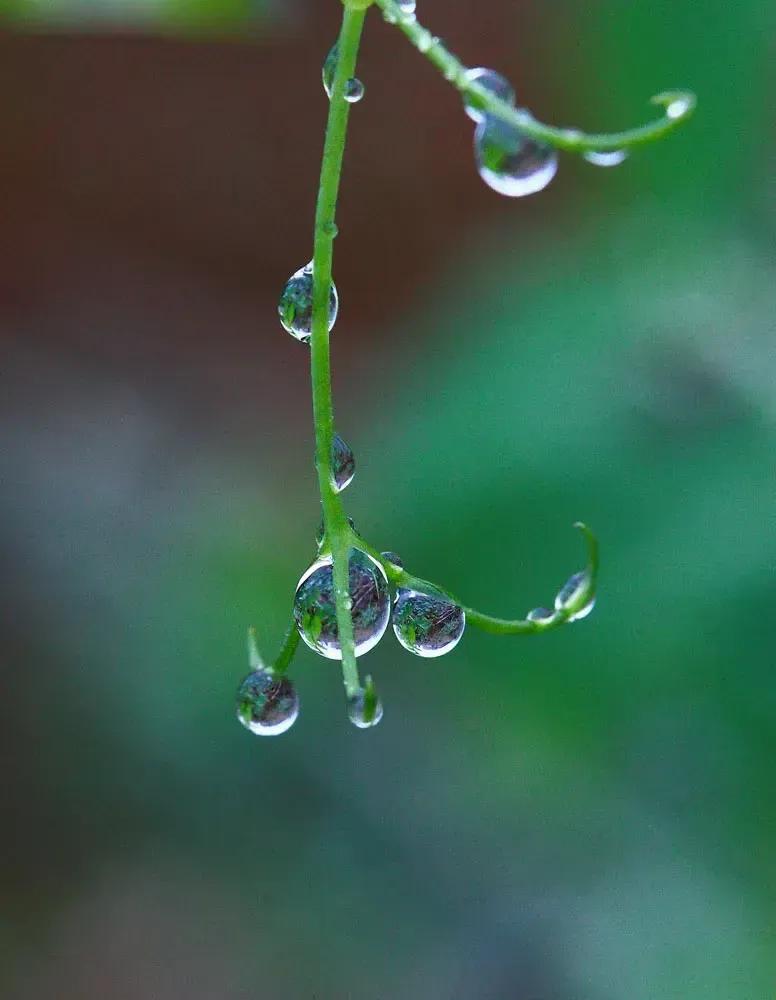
{"x": 606, "y": 158}
{"x": 266, "y": 704}
{"x": 492, "y": 81}
{"x": 427, "y": 624}
{"x": 570, "y": 592}
{"x": 343, "y": 464}
{"x": 393, "y": 559}
{"x": 315, "y": 610}
{"x": 509, "y": 161}
{"x": 540, "y": 615}
{"x": 365, "y": 709}
{"x": 354, "y": 88}
{"x": 296, "y": 304}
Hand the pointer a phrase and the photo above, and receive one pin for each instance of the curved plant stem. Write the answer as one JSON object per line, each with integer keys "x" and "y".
{"x": 337, "y": 529}
{"x": 679, "y": 104}
{"x": 286, "y": 654}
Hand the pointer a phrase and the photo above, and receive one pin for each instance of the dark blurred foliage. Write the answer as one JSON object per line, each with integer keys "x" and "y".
{"x": 581, "y": 816}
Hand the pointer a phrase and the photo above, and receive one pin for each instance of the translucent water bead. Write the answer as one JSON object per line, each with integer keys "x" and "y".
{"x": 607, "y": 158}
{"x": 354, "y": 88}
{"x": 365, "y": 709}
{"x": 406, "y": 12}
{"x": 427, "y": 624}
{"x": 295, "y": 307}
{"x": 542, "y": 615}
{"x": 266, "y": 704}
{"x": 343, "y": 464}
{"x": 393, "y": 559}
{"x": 570, "y": 592}
{"x": 315, "y": 610}
{"x": 510, "y": 162}
{"x": 497, "y": 84}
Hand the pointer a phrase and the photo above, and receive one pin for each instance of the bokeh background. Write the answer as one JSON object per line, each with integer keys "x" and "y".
{"x": 588, "y": 815}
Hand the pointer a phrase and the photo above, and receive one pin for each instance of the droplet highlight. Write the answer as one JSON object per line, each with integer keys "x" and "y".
{"x": 510, "y": 162}
{"x": 354, "y": 88}
{"x": 570, "y": 593}
{"x": 295, "y": 307}
{"x": 393, "y": 559}
{"x": 427, "y": 625}
{"x": 315, "y": 611}
{"x": 492, "y": 81}
{"x": 267, "y": 705}
{"x": 343, "y": 464}
{"x": 606, "y": 158}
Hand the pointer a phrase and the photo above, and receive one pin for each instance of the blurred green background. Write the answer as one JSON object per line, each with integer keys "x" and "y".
{"x": 587, "y": 815}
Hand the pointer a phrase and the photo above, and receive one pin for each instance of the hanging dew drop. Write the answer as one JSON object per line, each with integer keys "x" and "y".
{"x": 354, "y": 88}
{"x": 267, "y": 705}
{"x": 365, "y": 710}
{"x": 295, "y": 307}
{"x": 315, "y": 610}
{"x": 571, "y": 592}
{"x": 509, "y": 161}
{"x": 540, "y": 615}
{"x": 427, "y": 625}
{"x": 606, "y": 158}
{"x": 343, "y": 464}
{"x": 492, "y": 81}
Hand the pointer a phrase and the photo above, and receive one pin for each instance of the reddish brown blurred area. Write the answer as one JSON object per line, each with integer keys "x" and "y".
{"x": 173, "y": 181}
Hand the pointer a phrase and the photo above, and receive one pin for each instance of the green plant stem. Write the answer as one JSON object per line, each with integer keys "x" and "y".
{"x": 679, "y": 104}
{"x": 286, "y": 654}
{"x": 488, "y": 623}
{"x": 337, "y": 529}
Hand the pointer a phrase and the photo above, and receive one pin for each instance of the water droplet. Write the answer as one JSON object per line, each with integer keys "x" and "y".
{"x": 492, "y": 81}
{"x": 570, "y": 592}
{"x": 343, "y": 464}
{"x": 540, "y": 615}
{"x": 606, "y": 158}
{"x": 296, "y": 304}
{"x": 427, "y": 624}
{"x": 365, "y": 709}
{"x": 266, "y": 704}
{"x": 354, "y": 88}
{"x": 406, "y": 6}
{"x": 677, "y": 108}
{"x": 393, "y": 559}
{"x": 509, "y": 161}
{"x": 315, "y": 610}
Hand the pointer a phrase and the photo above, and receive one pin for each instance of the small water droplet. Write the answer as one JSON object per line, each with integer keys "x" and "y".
{"x": 343, "y": 464}
{"x": 365, "y": 710}
{"x": 295, "y": 307}
{"x": 315, "y": 610}
{"x": 393, "y": 559}
{"x": 427, "y": 624}
{"x": 606, "y": 158}
{"x": 492, "y": 81}
{"x": 677, "y": 108}
{"x": 354, "y": 88}
{"x": 509, "y": 161}
{"x": 540, "y": 615}
{"x": 406, "y": 6}
{"x": 570, "y": 592}
{"x": 266, "y": 704}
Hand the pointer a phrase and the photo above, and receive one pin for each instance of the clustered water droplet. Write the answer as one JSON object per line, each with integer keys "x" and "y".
{"x": 427, "y": 624}
{"x": 365, "y": 709}
{"x": 510, "y": 162}
{"x": 571, "y": 592}
{"x": 267, "y": 705}
{"x": 315, "y": 611}
{"x": 492, "y": 81}
{"x": 354, "y": 88}
{"x": 295, "y": 307}
{"x": 343, "y": 464}
{"x": 606, "y": 158}
{"x": 405, "y": 12}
